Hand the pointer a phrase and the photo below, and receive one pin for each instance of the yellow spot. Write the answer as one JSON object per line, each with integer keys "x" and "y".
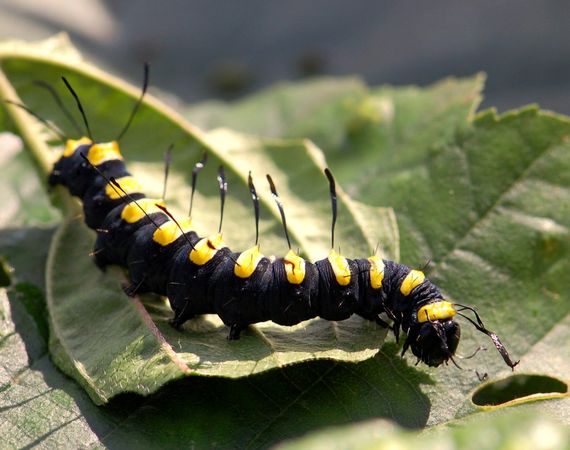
{"x": 72, "y": 144}
{"x": 205, "y": 249}
{"x": 294, "y": 267}
{"x": 128, "y": 184}
{"x": 413, "y": 279}
{"x": 340, "y": 268}
{"x": 168, "y": 232}
{"x": 132, "y": 212}
{"x": 105, "y": 151}
{"x": 436, "y": 311}
{"x": 376, "y": 272}
{"x": 247, "y": 262}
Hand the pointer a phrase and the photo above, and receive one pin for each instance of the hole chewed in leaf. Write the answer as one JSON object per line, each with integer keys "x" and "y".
{"x": 518, "y": 389}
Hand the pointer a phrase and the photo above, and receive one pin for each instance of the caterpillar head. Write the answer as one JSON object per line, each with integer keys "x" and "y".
{"x": 434, "y": 334}
{"x": 434, "y": 342}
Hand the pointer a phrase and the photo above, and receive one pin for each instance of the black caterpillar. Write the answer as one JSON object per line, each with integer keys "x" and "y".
{"x": 203, "y": 276}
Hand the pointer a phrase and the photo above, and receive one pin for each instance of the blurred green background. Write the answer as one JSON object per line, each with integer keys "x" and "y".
{"x": 202, "y": 49}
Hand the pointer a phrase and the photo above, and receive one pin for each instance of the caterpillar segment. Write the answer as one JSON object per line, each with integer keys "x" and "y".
{"x": 201, "y": 275}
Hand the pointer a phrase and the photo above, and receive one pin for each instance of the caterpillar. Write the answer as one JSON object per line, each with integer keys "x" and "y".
{"x": 201, "y": 275}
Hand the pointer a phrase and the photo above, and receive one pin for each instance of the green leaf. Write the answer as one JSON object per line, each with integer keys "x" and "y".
{"x": 36, "y": 401}
{"x": 494, "y": 432}
{"x": 485, "y": 199}
{"x": 113, "y": 345}
{"x": 35, "y": 406}
{"x": 40, "y": 406}
{"x": 345, "y": 117}
{"x": 305, "y": 109}
{"x": 24, "y": 199}
{"x": 487, "y": 207}
{"x": 509, "y": 215}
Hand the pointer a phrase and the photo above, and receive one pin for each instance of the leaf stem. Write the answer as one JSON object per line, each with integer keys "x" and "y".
{"x": 29, "y": 130}
{"x": 28, "y": 127}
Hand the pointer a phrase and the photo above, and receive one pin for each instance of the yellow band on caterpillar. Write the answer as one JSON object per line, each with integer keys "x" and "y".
{"x": 72, "y": 144}
{"x": 412, "y": 280}
{"x": 340, "y": 268}
{"x": 436, "y": 311}
{"x": 376, "y": 272}
{"x": 247, "y": 262}
{"x": 128, "y": 184}
{"x": 294, "y": 267}
{"x": 105, "y": 151}
{"x": 168, "y": 232}
{"x": 206, "y": 248}
{"x": 132, "y": 212}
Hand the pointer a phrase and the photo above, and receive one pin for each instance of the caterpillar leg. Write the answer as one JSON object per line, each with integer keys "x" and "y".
{"x": 235, "y": 331}
{"x": 181, "y": 315}
{"x": 396, "y": 330}
{"x": 177, "y": 321}
{"x": 99, "y": 258}
{"x": 131, "y": 289}
{"x": 383, "y": 323}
